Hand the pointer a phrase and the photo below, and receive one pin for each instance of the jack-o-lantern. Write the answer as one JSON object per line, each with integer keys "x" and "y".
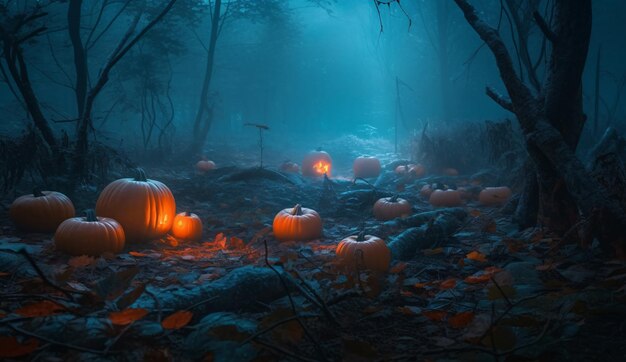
{"x": 204, "y": 166}
{"x": 145, "y": 208}
{"x": 317, "y": 163}
{"x": 363, "y": 251}
{"x": 43, "y": 211}
{"x": 494, "y": 196}
{"x": 445, "y": 198}
{"x": 187, "y": 226}
{"x": 366, "y": 167}
{"x": 297, "y": 223}
{"x": 289, "y": 167}
{"x": 389, "y": 208}
{"x": 89, "y": 235}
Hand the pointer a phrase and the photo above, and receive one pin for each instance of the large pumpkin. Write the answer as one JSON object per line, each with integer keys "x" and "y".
{"x": 447, "y": 198}
{"x": 145, "y": 208}
{"x": 366, "y": 167}
{"x": 204, "y": 166}
{"x": 494, "y": 196}
{"x": 89, "y": 235}
{"x": 389, "y": 208}
{"x": 41, "y": 211}
{"x": 364, "y": 251}
{"x": 187, "y": 226}
{"x": 297, "y": 223}
{"x": 317, "y": 163}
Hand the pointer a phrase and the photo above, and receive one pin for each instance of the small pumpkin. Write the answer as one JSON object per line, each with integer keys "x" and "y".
{"x": 204, "y": 166}
{"x": 89, "y": 235}
{"x": 426, "y": 191}
{"x": 450, "y": 171}
{"x": 317, "y": 163}
{"x": 187, "y": 226}
{"x": 402, "y": 170}
{"x": 445, "y": 198}
{"x": 365, "y": 251}
{"x": 297, "y": 223}
{"x": 41, "y": 211}
{"x": 366, "y": 167}
{"x": 290, "y": 167}
{"x": 389, "y": 208}
{"x": 417, "y": 170}
{"x": 494, "y": 196}
{"x": 145, "y": 208}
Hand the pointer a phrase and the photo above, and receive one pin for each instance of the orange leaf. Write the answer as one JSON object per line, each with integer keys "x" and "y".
{"x": 127, "y": 316}
{"x": 420, "y": 285}
{"x": 177, "y": 320}
{"x": 4, "y": 274}
{"x": 137, "y": 254}
{"x": 461, "y": 320}
{"x": 81, "y": 261}
{"x": 448, "y": 284}
{"x": 434, "y": 251}
{"x": 10, "y": 347}
{"x": 408, "y": 310}
{"x": 398, "y": 268}
{"x": 406, "y": 293}
{"x": 475, "y": 213}
{"x": 435, "y": 315}
{"x": 40, "y": 309}
{"x": 477, "y": 256}
{"x": 475, "y": 279}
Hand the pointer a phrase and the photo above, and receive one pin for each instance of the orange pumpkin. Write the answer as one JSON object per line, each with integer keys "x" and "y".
{"x": 187, "y": 226}
{"x": 450, "y": 171}
{"x": 89, "y": 235}
{"x": 417, "y": 170}
{"x": 145, "y": 208}
{"x": 42, "y": 211}
{"x": 204, "y": 166}
{"x": 426, "y": 191}
{"x": 290, "y": 167}
{"x": 366, "y": 167}
{"x": 494, "y": 196}
{"x": 447, "y": 198}
{"x": 317, "y": 163}
{"x": 402, "y": 170}
{"x": 297, "y": 223}
{"x": 389, "y": 208}
{"x": 364, "y": 251}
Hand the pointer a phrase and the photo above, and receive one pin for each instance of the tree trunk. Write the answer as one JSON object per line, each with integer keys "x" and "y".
{"x": 80, "y": 56}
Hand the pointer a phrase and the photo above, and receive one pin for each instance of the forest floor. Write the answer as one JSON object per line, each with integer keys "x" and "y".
{"x": 486, "y": 291}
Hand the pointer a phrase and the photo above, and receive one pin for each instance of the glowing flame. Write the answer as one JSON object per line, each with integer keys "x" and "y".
{"x": 321, "y": 167}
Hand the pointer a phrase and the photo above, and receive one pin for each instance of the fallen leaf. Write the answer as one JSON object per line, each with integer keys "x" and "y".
{"x": 115, "y": 284}
{"x": 434, "y": 315}
{"x": 177, "y": 320}
{"x": 129, "y": 298}
{"x": 236, "y": 243}
{"x": 371, "y": 309}
{"x": 495, "y": 293}
{"x": 435, "y": 251}
{"x": 10, "y": 347}
{"x": 461, "y": 320}
{"x": 448, "y": 284}
{"x": 409, "y": 310}
{"x": 81, "y": 261}
{"x": 398, "y": 268}
{"x": 475, "y": 213}
{"x": 137, "y": 254}
{"x": 127, "y": 316}
{"x": 288, "y": 332}
{"x": 4, "y": 274}
{"x": 40, "y": 309}
{"x": 477, "y": 256}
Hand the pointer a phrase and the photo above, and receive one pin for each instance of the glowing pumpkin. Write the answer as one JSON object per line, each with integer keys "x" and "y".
{"x": 317, "y": 163}
{"x": 42, "y": 211}
{"x": 364, "y": 251}
{"x": 187, "y": 226}
{"x": 145, "y": 208}
{"x": 89, "y": 235}
{"x": 297, "y": 223}
{"x": 366, "y": 167}
{"x": 204, "y": 166}
{"x": 290, "y": 167}
{"x": 494, "y": 196}
{"x": 389, "y": 208}
{"x": 445, "y": 198}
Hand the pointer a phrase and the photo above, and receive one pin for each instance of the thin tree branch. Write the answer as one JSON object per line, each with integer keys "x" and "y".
{"x": 545, "y": 28}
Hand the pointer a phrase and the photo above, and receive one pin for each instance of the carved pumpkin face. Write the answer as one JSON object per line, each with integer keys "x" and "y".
{"x": 145, "y": 208}
{"x": 363, "y": 251}
{"x": 297, "y": 223}
{"x": 205, "y": 166}
{"x": 89, "y": 235}
{"x": 43, "y": 211}
{"x": 187, "y": 226}
{"x": 389, "y": 208}
{"x": 317, "y": 163}
{"x": 366, "y": 167}
{"x": 494, "y": 196}
{"x": 290, "y": 167}
{"x": 447, "y": 198}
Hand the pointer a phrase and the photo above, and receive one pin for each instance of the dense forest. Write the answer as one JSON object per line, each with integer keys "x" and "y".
{"x": 312, "y": 180}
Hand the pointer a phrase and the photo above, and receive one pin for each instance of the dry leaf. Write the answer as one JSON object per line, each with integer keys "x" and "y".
{"x": 289, "y": 332}
{"x": 448, "y": 284}
{"x": 435, "y": 251}
{"x": 81, "y": 261}
{"x": 475, "y": 213}
{"x": 4, "y": 274}
{"x": 409, "y": 310}
{"x": 40, "y": 309}
{"x": 127, "y": 316}
{"x": 434, "y": 315}
{"x": 10, "y": 347}
{"x": 137, "y": 254}
{"x": 461, "y": 320}
{"x": 398, "y": 268}
{"x": 477, "y": 256}
{"x": 177, "y": 320}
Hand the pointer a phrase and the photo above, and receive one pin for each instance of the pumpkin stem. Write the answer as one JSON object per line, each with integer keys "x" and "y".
{"x": 37, "y": 192}
{"x": 90, "y": 215}
{"x": 361, "y": 236}
{"x": 187, "y": 213}
{"x": 319, "y": 149}
{"x": 394, "y": 198}
{"x": 141, "y": 175}
{"x": 297, "y": 210}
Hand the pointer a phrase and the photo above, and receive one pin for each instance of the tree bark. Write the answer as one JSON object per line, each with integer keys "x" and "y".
{"x": 80, "y": 55}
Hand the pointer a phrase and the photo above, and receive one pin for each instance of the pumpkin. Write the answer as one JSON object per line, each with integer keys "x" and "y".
{"x": 402, "y": 170}
{"x": 297, "y": 223}
{"x": 187, "y": 226}
{"x": 89, "y": 235}
{"x": 204, "y": 166}
{"x": 426, "y": 191}
{"x": 411, "y": 169}
{"x": 494, "y": 196}
{"x": 389, "y": 208}
{"x": 365, "y": 251}
{"x": 145, "y": 208}
{"x": 447, "y": 198}
{"x": 290, "y": 167}
{"x": 366, "y": 167}
{"x": 317, "y": 163}
{"x": 450, "y": 171}
{"x": 41, "y": 211}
